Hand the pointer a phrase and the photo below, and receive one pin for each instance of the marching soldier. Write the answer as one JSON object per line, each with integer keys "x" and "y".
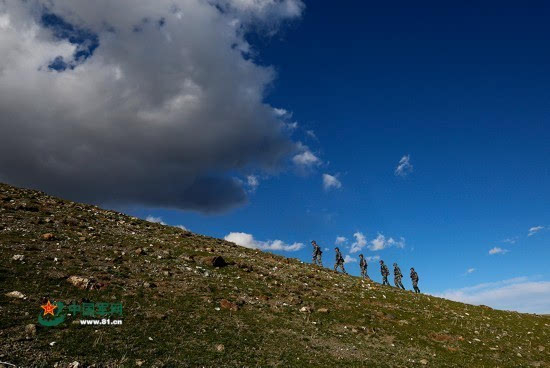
{"x": 397, "y": 276}
{"x": 317, "y": 252}
{"x": 339, "y": 261}
{"x": 363, "y": 266}
{"x": 414, "y": 279}
{"x": 385, "y": 273}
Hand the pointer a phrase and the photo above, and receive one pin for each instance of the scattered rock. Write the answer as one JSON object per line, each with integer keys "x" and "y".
{"x": 220, "y": 348}
{"x": 30, "y": 330}
{"x": 541, "y": 348}
{"x": 423, "y": 361}
{"x": 139, "y": 362}
{"x": 226, "y": 304}
{"x": 79, "y": 282}
{"x": 323, "y": 310}
{"x": 18, "y": 257}
{"x": 149, "y": 284}
{"x": 15, "y": 294}
{"x": 141, "y": 251}
{"x": 48, "y": 236}
{"x": 305, "y": 310}
{"x": 74, "y": 364}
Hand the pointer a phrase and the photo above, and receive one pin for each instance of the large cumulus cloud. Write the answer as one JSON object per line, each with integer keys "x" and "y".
{"x": 138, "y": 101}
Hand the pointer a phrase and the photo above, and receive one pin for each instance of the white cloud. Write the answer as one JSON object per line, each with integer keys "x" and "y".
{"x": 470, "y": 270}
{"x": 340, "y": 240}
{"x": 519, "y": 294}
{"x": 381, "y": 242}
{"x": 306, "y": 159}
{"x": 404, "y": 167}
{"x": 168, "y": 103}
{"x": 252, "y": 182}
{"x": 158, "y": 220}
{"x": 311, "y": 134}
{"x": 510, "y": 240}
{"x": 360, "y": 242}
{"x": 331, "y": 182}
{"x": 498, "y": 250}
{"x": 534, "y": 230}
{"x": 281, "y": 112}
{"x": 372, "y": 258}
{"x": 349, "y": 259}
{"x": 154, "y": 219}
{"x": 248, "y": 241}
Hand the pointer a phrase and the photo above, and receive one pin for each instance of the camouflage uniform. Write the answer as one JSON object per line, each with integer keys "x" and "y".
{"x": 397, "y": 276}
{"x": 414, "y": 279}
{"x": 363, "y": 266}
{"x": 385, "y": 273}
{"x": 317, "y": 252}
{"x": 339, "y": 261}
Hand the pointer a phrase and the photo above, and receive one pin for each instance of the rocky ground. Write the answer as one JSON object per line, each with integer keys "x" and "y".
{"x": 190, "y": 300}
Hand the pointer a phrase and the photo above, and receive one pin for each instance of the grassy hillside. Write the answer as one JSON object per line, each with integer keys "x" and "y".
{"x": 258, "y": 310}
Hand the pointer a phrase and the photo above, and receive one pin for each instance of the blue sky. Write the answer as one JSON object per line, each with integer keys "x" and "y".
{"x": 462, "y": 90}
{"x": 282, "y": 122}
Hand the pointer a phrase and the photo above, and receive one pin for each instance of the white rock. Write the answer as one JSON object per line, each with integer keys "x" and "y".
{"x": 15, "y": 294}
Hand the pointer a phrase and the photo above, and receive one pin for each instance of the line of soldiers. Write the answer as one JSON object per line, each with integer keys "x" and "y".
{"x": 397, "y": 275}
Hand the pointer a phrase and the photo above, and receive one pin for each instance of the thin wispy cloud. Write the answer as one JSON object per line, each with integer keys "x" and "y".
{"x": 340, "y": 240}
{"x": 252, "y": 183}
{"x": 311, "y": 134}
{"x": 349, "y": 259}
{"x": 158, "y": 220}
{"x": 510, "y": 240}
{"x": 372, "y": 258}
{"x": 404, "y": 167}
{"x": 470, "y": 270}
{"x": 534, "y": 230}
{"x": 381, "y": 242}
{"x": 306, "y": 159}
{"x": 519, "y": 294}
{"x": 498, "y": 250}
{"x": 331, "y": 182}
{"x": 248, "y": 241}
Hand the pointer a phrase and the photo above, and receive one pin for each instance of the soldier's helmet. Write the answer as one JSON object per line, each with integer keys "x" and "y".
{"x": 313, "y": 242}
{"x": 412, "y": 268}
{"x": 338, "y": 249}
{"x": 394, "y": 264}
{"x": 381, "y": 261}
{"x": 360, "y": 256}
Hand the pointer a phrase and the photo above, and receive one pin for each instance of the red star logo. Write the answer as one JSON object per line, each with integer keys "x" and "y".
{"x": 48, "y": 308}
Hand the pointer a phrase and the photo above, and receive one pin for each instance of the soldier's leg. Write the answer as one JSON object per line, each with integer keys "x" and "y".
{"x": 343, "y": 269}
